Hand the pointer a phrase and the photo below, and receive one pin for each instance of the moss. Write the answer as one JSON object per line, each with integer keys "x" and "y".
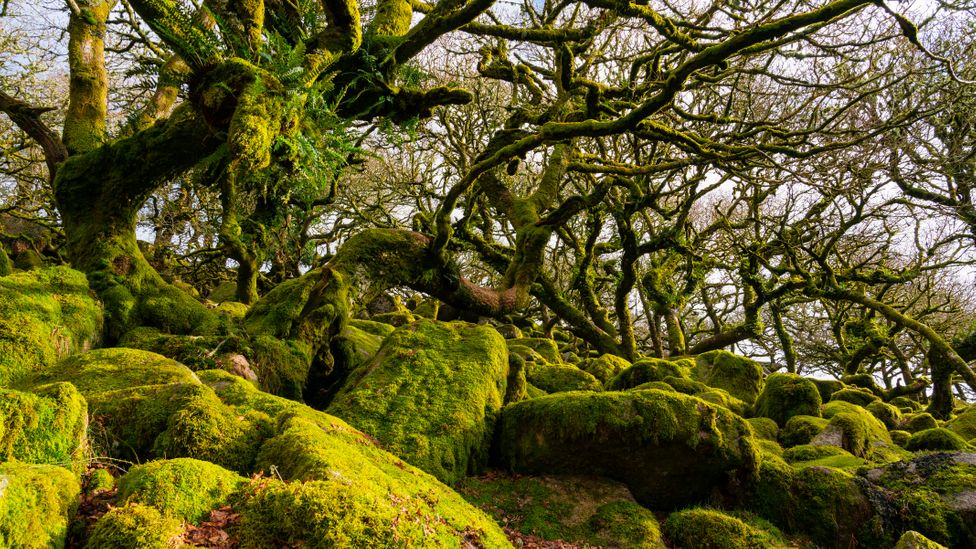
{"x": 741, "y": 377}
{"x": 36, "y": 504}
{"x": 809, "y": 452}
{"x": 686, "y": 386}
{"x": 913, "y": 540}
{"x": 725, "y": 400}
{"x": 534, "y": 392}
{"x": 195, "y": 352}
{"x": 432, "y": 395}
{"x": 45, "y": 315}
{"x": 6, "y": 266}
{"x": 936, "y": 439}
{"x": 921, "y": 421}
{"x": 557, "y": 378}
{"x": 905, "y": 403}
{"x": 864, "y": 381}
{"x": 183, "y": 488}
{"x": 578, "y": 510}
{"x": 99, "y": 480}
{"x": 660, "y": 385}
{"x": 370, "y": 327}
{"x": 854, "y": 429}
{"x": 233, "y": 310}
{"x": 771, "y": 493}
{"x": 28, "y": 260}
{"x": 225, "y": 291}
{"x": 545, "y": 347}
{"x": 702, "y": 528}
{"x": 276, "y": 313}
{"x": 900, "y": 437}
{"x": 827, "y": 387}
{"x": 787, "y": 395}
{"x": 696, "y": 446}
{"x": 801, "y": 430}
{"x": 646, "y": 370}
{"x": 964, "y": 424}
{"x": 46, "y": 426}
{"x": 861, "y": 397}
{"x": 282, "y": 365}
{"x": 136, "y": 526}
{"x": 831, "y": 508}
{"x": 886, "y": 413}
{"x": 769, "y": 447}
{"x": 764, "y": 428}
{"x": 517, "y": 387}
{"x": 604, "y": 367}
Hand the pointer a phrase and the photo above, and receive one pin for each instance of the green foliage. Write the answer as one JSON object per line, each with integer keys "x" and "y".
{"x": 183, "y": 488}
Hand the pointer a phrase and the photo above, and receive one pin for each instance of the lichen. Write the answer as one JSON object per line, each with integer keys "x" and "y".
{"x": 786, "y": 395}
{"x": 36, "y": 504}
{"x": 432, "y": 395}
{"x": 183, "y": 488}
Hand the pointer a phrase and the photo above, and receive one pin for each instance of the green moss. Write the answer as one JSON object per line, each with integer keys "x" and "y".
{"x": 702, "y": 528}
{"x": 725, "y": 400}
{"x": 921, "y": 421}
{"x": 864, "y": 381}
{"x": 900, "y": 437}
{"x": 764, "y": 428}
{"x": 276, "y": 313}
{"x": 545, "y": 347}
{"x": 741, "y": 377}
{"x": 534, "y": 392}
{"x": 395, "y": 318}
{"x": 770, "y": 447}
{"x": 45, "y": 315}
{"x": 936, "y": 439}
{"x": 232, "y": 310}
{"x": 854, "y": 429}
{"x": 225, "y": 291}
{"x": 578, "y": 510}
{"x": 660, "y": 385}
{"x": 646, "y": 370}
{"x": 6, "y": 266}
{"x": 686, "y": 386}
{"x": 557, "y": 378}
{"x": 282, "y": 365}
{"x": 964, "y": 424}
{"x": 135, "y": 526}
{"x": 517, "y": 387}
{"x": 696, "y": 446}
{"x": 376, "y": 328}
{"x": 99, "y": 480}
{"x": 914, "y": 540}
{"x": 801, "y": 430}
{"x": 831, "y": 509}
{"x": 46, "y": 426}
{"x": 905, "y": 403}
{"x": 810, "y": 452}
{"x": 36, "y": 504}
{"x": 183, "y": 488}
{"x": 432, "y": 395}
{"x": 787, "y": 395}
{"x": 28, "y": 260}
{"x": 827, "y": 387}
{"x": 861, "y": 397}
{"x": 604, "y": 367}
{"x": 886, "y": 413}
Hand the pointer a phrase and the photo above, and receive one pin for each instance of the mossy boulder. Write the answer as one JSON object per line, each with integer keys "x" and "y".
{"x": 144, "y": 406}
{"x": 432, "y": 395}
{"x": 585, "y": 511}
{"x": 323, "y": 457}
{"x": 786, "y": 395}
{"x": 370, "y": 327}
{"x": 764, "y": 428}
{"x": 643, "y": 371}
{"x": 906, "y": 404}
{"x": 920, "y": 421}
{"x": 864, "y": 381}
{"x": 37, "y": 503}
{"x": 604, "y": 367}
{"x": 725, "y": 400}
{"x": 686, "y": 386}
{"x": 695, "y": 446}
{"x": 702, "y": 528}
{"x": 900, "y": 437}
{"x": 938, "y": 438}
{"x": 183, "y": 488}
{"x": 913, "y": 540}
{"x": 543, "y": 346}
{"x": 6, "y": 266}
{"x": 854, "y": 395}
{"x": 136, "y": 525}
{"x": 45, "y": 315}
{"x": 801, "y": 430}
{"x": 558, "y": 378}
{"x": 827, "y": 387}
{"x": 854, "y": 429}
{"x": 964, "y": 424}
{"x": 48, "y": 425}
{"x": 886, "y": 413}
{"x": 808, "y": 455}
{"x": 740, "y": 376}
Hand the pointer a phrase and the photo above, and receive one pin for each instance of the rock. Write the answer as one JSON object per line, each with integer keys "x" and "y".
{"x": 886, "y": 413}
{"x": 858, "y": 396}
{"x": 431, "y": 395}
{"x": 702, "y": 528}
{"x": 854, "y": 429}
{"x": 48, "y": 425}
{"x": 543, "y": 346}
{"x": 509, "y": 331}
{"x": 45, "y": 315}
{"x": 669, "y": 449}
{"x": 557, "y": 378}
{"x": 913, "y": 540}
{"x": 808, "y": 455}
{"x": 786, "y": 395}
{"x": 964, "y": 424}
{"x": 36, "y": 504}
{"x": 646, "y": 370}
{"x": 136, "y": 526}
{"x": 583, "y": 511}
{"x": 936, "y": 439}
{"x": 764, "y": 428}
{"x": 827, "y": 387}
{"x": 801, "y": 430}
{"x": 370, "y": 327}
{"x": 604, "y": 367}
{"x": 28, "y": 260}
{"x": 741, "y": 377}
{"x": 182, "y": 488}
{"x": 921, "y": 421}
